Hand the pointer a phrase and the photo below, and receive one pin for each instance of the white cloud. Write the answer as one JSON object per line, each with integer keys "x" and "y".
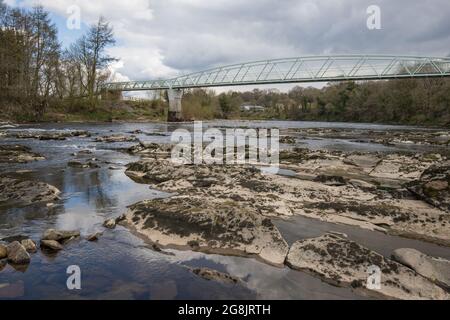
{"x": 160, "y": 38}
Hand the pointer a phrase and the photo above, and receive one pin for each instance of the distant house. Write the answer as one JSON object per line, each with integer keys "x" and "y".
{"x": 249, "y": 107}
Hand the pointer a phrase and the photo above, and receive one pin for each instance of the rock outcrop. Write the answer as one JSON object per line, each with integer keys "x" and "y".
{"x": 223, "y": 227}
{"x": 18, "y": 154}
{"x": 342, "y": 262}
{"x": 23, "y": 192}
{"x": 326, "y": 196}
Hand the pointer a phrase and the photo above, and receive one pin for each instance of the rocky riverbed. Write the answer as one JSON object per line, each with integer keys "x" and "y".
{"x": 232, "y": 210}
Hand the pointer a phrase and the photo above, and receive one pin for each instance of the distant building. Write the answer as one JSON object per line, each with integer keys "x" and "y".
{"x": 249, "y": 107}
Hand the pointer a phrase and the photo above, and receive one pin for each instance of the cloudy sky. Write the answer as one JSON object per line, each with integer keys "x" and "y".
{"x": 163, "y": 38}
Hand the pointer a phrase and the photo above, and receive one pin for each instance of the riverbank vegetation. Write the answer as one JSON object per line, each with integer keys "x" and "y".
{"x": 405, "y": 101}
{"x": 38, "y": 77}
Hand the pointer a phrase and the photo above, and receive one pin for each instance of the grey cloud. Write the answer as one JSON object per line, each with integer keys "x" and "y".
{"x": 196, "y": 36}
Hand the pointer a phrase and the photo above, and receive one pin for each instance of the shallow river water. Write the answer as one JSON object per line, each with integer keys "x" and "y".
{"x": 120, "y": 265}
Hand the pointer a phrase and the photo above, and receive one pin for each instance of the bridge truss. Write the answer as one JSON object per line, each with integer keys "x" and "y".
{"x": 300, "y": 69}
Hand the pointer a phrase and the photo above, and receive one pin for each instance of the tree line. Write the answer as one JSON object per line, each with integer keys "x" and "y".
{"x": 36, "y": 72}
{"x": 424, "y": 101}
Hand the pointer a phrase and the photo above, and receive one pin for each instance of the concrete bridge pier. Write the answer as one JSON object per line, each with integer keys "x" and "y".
{"x": 175, "y": 109}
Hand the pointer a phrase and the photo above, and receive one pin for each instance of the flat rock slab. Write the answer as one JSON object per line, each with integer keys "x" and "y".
{"x": 18, "y": 154}
{"x": 23, "y": 192}
{"x": 342, "y": 262}
{"x": 214, "y": 227}
{"x": 116, "y": 138}
{"x": 435, "y": 269}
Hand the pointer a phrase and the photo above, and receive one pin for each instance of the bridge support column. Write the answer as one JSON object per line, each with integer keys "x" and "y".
{"x": 175, "y": 108}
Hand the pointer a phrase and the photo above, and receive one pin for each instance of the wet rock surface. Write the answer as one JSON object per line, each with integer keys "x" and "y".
{"x": 3, "y": 251}
{"x": 150, "y": 149}
{"x": 342, "y": 262}
{"x": 116, "y": 138}
{"x": 433, "y": 186}
{"x": 17, "y": 254}
{"x": 224, "y": 227}
{"x": 18, "y": 154}
{"x": 214, "y": 275}
{"x": 83, "y": 165}
{"x": 328, "y": 193}
{"x": 59, "y": 235}
{"x": 29, "y": 245}
{"x": 23, "y": 192}
{"x": 434, "y": 269}
{"x": 51, "y": 245}
{"x": 49, "y": 135}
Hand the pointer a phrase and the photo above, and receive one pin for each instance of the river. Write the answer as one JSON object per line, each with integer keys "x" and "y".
{"x": 120, "y": 265}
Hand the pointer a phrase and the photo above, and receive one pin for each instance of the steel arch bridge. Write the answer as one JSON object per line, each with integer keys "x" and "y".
{"x": 300, "y": 69}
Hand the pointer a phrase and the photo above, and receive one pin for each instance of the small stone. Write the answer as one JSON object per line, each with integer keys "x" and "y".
{"x": 110, "y": 223}
{"x": 29, "y": 245}
{"x": 3, "y": 251}
{"x": 17, "y": 254}
{"x": 94, "y": 237}
{"x": 51, "y": 244}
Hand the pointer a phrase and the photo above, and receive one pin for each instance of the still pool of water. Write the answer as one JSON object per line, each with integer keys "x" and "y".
{"x": 121, "y": 265}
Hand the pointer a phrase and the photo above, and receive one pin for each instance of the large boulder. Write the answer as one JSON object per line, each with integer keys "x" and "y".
{"x": 224, "y": 227}
{"x": 17, "y": 254}
{"x": 434, "y": 186}
{"x": 23, "y": 192}
{"x": 342, "y": 262}
{"x": 59, "y": 235}
{"x": 435, "y": 269}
